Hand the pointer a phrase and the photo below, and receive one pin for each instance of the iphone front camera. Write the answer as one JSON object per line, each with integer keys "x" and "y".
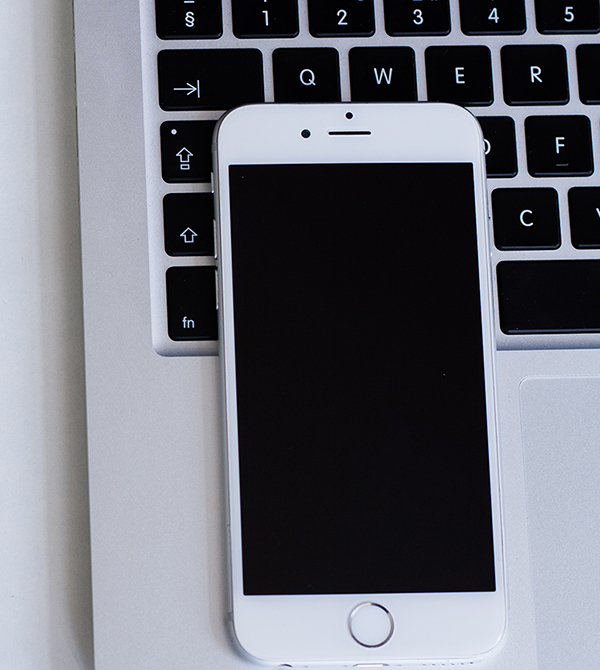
{"x": 349, "y": 115}
{"x": 305, "y": 133}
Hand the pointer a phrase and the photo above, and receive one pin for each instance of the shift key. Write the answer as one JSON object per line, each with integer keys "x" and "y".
{"x": 209, "y": 78}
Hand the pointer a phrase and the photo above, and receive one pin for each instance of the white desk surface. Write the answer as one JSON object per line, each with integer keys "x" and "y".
{"x": 45, "y": 595}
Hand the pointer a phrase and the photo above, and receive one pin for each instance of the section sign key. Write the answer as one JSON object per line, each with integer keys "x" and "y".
{"x": 209, "y": 78}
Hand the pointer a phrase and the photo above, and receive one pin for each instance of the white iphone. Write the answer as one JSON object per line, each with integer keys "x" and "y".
{"x": 358, "y": 369}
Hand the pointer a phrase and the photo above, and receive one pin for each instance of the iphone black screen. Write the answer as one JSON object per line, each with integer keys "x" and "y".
{"x": 360, "y": 384}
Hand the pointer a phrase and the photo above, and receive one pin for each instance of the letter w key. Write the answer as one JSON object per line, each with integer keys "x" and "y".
{"x": 382, "y": 74}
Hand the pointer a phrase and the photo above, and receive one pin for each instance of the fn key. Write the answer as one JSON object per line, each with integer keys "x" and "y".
{"x": 192, "y": 303}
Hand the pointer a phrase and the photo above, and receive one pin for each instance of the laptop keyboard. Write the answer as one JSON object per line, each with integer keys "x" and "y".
{"x": 527, "y": 70}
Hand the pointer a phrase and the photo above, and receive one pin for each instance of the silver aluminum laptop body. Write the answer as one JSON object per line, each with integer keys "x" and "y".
{"x": 156, "y": 462}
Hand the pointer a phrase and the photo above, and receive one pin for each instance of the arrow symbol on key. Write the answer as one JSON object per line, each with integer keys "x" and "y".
{"x": 188, "y": 235}
{"x": 184, "y": 155}
{"x": 190, "y": 88}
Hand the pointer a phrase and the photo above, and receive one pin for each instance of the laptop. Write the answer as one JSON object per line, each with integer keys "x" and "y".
{"x": 153, "y": 76}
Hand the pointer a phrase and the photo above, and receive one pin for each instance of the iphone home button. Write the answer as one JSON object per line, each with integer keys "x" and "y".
{"x": 371, "y": 624}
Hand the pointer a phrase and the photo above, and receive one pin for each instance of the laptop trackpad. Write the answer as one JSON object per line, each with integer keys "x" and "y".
{"x": 561, "y": 447}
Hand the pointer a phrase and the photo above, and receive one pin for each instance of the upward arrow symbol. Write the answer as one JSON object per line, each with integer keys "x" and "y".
{"x": 188, "y": 235}
{"x": 184, "y": 154}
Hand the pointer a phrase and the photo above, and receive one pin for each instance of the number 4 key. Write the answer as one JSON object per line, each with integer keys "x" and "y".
{"x": 492, "y": 17}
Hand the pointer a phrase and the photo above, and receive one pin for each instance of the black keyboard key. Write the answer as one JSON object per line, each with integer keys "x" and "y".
{"x": 462, "y": 75}
{"x": 265, "y": 18}
{"x": 185, "y": 148}
{"x": 188, "y": 19}
{"x": 526, "y": 218}
{"x": 559, "y": 146}
{"x": 383, "y": 74}
{"x": 500, "y": 145}
{"x": 588, "y": 67}
{"x": 549, "y": 296}
{"x": 567, "y": 16}
{"x": 209, "y": 78}
{"x": 341, "y": 18}
{"x": 192, "y": 303}
{"x": 492, "y": 17}
{"x": 535, "y": 75}
{"x": 584, "y": 215}
{"x": 306, "y": 75}
{"x": 426, "y": 17}
{"x": 188, "y": 224}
